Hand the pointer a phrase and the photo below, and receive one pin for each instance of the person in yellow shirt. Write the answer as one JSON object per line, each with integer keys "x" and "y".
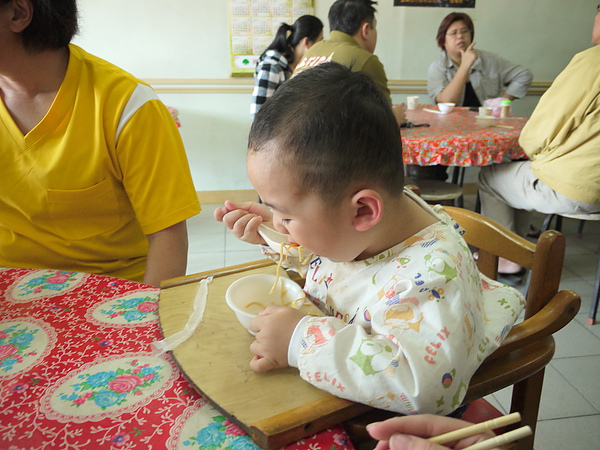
{"x": 94, "y": 176}
{"x": 562, "y": 141}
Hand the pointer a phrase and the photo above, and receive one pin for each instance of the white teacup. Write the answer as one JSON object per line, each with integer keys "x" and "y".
{"x": 412, "y": 102}
{"x": 485, "y": 111}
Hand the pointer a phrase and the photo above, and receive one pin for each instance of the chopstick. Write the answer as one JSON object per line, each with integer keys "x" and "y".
{"x": 503, "y": 126}
{"x": 432, "y": 111}
{"x": 503, "y": 439}
{"x": 486, "y": 426}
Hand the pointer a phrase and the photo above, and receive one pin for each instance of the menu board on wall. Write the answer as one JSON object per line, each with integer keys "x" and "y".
{"x": 444, "y": 3}
{"x": 254, "y": 23}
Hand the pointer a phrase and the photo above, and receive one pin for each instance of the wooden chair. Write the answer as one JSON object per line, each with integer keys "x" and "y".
{"x": 437, "y": 191}
{"x": 529, "y": 346}
{"x": 582, "y": 219}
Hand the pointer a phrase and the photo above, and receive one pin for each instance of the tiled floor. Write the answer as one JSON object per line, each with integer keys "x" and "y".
{"x": 570, "y": 409}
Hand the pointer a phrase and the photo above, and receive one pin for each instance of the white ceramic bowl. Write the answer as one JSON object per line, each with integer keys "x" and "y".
{"x": 250, "y": 295}
{"x": 485, "y": 121}
{"x": 445, "y": 108}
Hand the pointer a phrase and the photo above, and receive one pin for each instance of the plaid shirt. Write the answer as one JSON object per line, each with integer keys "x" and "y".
{"x": 272, "y": 70}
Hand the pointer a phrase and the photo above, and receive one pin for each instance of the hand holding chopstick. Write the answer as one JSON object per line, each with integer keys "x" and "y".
{"x": 411, "y": 432}
{"x": 479, "y": 428}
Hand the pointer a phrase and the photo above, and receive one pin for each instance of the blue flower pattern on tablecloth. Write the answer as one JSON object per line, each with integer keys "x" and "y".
{"x": 130, "y": 310}
{"x": 220, "y": 434}
{"x": 110, "y": 388}
{"x": 15, "y": 342}
{"x": 50, "y": 280}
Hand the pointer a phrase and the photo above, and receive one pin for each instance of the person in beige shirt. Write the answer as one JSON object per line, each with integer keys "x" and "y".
{"x": 562, "y": 141}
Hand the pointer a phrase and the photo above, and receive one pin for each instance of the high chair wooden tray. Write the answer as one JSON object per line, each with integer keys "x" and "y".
{"x": 275, "y": 408}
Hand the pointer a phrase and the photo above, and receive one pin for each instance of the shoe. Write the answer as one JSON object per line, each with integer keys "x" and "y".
{"x": 533, "y": 232}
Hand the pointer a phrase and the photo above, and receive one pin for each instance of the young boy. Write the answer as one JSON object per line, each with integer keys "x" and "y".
{"x": 409, "y": 317}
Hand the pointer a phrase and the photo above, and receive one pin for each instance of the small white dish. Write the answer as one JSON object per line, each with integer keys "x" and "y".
{"x": 445, "y": 108}
{"x": 250, "y": 295}
{"x": 486, "y": 121}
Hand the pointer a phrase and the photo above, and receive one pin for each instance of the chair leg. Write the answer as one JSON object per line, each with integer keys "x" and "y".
{"x": 458, "y": 176}
{"x": 580, "y": 228}
{"x": 594, "y": 309}
{"x": 547, "y": 222}
{"x": 526, "y": 400}
{"x": 558, "y": 226}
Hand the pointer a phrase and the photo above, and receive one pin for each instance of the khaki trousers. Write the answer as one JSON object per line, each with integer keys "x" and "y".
{"x": 509, "y": 191}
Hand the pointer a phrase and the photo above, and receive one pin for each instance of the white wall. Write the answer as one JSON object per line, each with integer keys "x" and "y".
{"x": 188, "y": 39}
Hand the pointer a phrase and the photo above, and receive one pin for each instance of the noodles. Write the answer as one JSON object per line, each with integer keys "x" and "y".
{"x": 296, "y": 304}
{"x": 285, "y": 256}
{"x": 278, "y": 270}
{"x": 287, "y": 247}
{"x": 255, "y": 303}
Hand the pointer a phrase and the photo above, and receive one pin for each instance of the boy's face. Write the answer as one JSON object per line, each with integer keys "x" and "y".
{"x": 308, "y": 221}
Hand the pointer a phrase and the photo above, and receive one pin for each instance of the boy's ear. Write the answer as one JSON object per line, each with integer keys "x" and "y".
{"x": 22, "y": 15}
{"x": 368, "y": 207}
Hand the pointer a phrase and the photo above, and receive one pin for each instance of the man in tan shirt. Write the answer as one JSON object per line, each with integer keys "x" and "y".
{"x": 351, "y": 43}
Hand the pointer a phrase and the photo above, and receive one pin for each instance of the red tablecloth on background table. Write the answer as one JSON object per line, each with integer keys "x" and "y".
{"x": 456, "y": 139}
{"x": 77, "y": 371}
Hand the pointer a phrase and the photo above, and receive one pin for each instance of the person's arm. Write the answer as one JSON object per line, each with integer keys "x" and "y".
{"x": 399, "y": 111}
{"x": 517, "y": 80}
{"x": 268, "y": 78}
{"x": 161, "y": 199}
{"x": 375, "y": 70}
{"x": 401, "y": 359}
{"x": 575, "y": 89}
{"x": 453, "y": 92}
{"x": 167, "y": 254}
{"x": 412, "y": 432}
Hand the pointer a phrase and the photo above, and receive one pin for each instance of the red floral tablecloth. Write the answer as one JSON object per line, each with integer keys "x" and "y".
{"x": 456, "y": 139}
{"x": 77, "y": 372}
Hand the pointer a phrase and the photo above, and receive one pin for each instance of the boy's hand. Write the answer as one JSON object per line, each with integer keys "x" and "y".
{"x": 243, "y": 219}
{"x": 274, "y": 328}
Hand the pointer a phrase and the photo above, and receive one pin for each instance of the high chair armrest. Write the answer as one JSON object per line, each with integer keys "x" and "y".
{"x": 559, "y": 311}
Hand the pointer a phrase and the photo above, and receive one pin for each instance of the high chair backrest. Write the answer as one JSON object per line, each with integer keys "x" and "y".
{"x": 545, "y": 260}
{"x": 529, "y": 346}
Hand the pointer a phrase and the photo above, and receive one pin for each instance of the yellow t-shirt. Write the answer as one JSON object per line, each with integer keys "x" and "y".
{"x": 105, "y": 167}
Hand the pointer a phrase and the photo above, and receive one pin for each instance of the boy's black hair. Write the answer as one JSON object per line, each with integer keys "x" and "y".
{"x": 335, "y": 129}
{"x": 348, "y": 15}
{"x": 53, "y": 25}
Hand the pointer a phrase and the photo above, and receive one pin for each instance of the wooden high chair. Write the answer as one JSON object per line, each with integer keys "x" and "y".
{"x": 529, "y": 346}
{"x": 582, "y": 219}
